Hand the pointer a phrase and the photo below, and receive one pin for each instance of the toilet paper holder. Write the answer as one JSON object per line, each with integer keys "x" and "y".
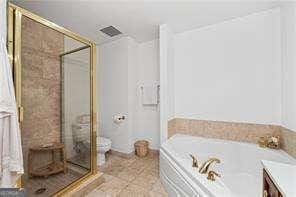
{"x": 118, "y": 119}
{"x": 121, "y": 118}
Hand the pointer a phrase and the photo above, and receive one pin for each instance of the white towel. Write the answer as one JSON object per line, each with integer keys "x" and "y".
{"x": 149, "y": 95}
{"x": 11, "y": 157}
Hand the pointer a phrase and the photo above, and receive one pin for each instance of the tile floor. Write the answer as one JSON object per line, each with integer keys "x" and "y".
{"x": 133, "y": 177}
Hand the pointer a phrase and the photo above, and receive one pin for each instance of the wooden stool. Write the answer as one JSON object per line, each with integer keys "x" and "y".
{"x": 49, "y": 169}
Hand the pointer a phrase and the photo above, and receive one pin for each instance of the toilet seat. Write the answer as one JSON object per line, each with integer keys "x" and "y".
{"x": 102, "y": 142}
{"x": 81, "y": 132}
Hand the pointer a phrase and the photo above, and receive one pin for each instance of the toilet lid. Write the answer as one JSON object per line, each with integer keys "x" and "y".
{"x": 101, "y": 141}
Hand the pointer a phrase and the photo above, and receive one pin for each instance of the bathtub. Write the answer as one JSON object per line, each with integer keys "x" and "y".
{"x": 240, "y": 167}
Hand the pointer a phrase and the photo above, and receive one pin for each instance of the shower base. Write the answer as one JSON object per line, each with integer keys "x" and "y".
{"x": 42, "y": 187}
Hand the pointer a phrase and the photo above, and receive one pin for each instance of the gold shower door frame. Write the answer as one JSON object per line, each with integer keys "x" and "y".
{"x": 15, "y": 14}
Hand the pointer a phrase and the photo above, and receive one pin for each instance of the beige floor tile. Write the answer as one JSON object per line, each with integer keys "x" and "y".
{"x": 112, "y": 159}
{"x": 98, "y": 193}
{"x": 133, "y": 191}
{"x": 127, "y": 174}
{"x": 129, "y": 161}
{"x": 137, "y": 191}
{"x": 146, "y": 179}
{"x": 138, "y": 166}
{"x": 112, "y": 185}
{"x": 155, "y": 163}
{"x": 131, "y": 177}
{"x": 158, "y": 187}
{"x": 148, "y": 159}
{"x": 152, "y": 170}
{"x": 115, "y": 159}
{"x": 113, "y": 169}
{"x": 157, "y": 194}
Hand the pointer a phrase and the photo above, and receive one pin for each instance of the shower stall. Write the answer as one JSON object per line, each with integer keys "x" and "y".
{"x": 54, "y": 77}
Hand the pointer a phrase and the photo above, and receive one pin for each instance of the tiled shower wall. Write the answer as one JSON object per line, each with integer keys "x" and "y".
{"x": 41, "y": 83}
{"x": 244, "y": 132}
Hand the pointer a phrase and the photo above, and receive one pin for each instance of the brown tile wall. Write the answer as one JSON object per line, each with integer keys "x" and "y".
{"x": 223, "y": 130}
{"x": 288, "y": 141}
{"x": 244, "y": 132}
{"x": 41, "y": 47}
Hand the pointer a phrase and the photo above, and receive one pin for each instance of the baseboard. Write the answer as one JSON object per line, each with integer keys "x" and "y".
{"x": 121, "y": 154}
{"x": 129, "y": 155}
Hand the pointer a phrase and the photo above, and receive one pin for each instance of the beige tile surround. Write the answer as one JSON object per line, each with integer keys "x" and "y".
{"x": 40, "y": 48}
{"x": 288, "y": 142}
{"x": 244, "y": 132}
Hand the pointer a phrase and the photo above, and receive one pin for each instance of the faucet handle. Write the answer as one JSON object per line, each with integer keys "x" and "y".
{"x": 194, "y": 161}
{"x": 212, "y": 174}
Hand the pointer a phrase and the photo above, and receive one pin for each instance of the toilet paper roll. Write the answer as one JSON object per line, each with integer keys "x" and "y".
{"x": 118, "y": 119}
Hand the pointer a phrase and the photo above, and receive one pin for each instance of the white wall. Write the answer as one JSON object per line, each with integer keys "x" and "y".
{"x": 171, "y": 74}
{"x": 124, "y": 66}
{"x": 132, "y": 88}
{"x": 230, "y": 71}
{"x": 147, "y": 117}
{"x": 288, "y": 27}
{"x": 113, "y": 92}
{"x": 166, "y": 67}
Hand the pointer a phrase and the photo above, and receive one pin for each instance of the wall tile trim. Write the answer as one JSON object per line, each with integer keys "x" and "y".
{"x": 243, "y": 132}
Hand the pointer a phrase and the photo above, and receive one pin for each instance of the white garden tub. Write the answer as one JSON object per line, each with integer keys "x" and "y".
{"x": 240, "y": 167}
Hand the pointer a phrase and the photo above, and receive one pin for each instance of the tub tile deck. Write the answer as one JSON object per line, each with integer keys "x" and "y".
{"x": 130, "y": 177}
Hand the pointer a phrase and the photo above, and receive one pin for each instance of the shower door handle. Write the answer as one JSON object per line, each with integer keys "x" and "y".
{"x": 21, "y": 113}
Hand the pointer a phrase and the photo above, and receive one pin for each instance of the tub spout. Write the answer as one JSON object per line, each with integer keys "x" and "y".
{"x": 205, "y": 166}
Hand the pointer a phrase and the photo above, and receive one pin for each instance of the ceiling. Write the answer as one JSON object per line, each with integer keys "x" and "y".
{"x": 140, "y": 19}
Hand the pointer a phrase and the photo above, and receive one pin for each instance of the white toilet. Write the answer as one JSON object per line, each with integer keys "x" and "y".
{"x": 103, "y": 145}
{"x": 81, "y": 129}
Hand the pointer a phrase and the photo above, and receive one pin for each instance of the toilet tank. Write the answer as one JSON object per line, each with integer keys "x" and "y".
{"x": 81, "y": 132}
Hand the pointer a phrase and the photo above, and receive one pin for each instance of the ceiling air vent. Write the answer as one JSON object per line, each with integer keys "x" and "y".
{"x": 111, "y": 31}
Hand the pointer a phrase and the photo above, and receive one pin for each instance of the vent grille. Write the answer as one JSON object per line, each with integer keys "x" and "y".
{"x": 110, "y": 31}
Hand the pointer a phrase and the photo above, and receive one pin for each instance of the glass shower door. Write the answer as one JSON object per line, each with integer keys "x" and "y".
{"x": 75, "y": 68}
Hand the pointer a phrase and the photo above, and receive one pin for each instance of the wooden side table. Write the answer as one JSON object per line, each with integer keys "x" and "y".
{"x": 52, "y": 168}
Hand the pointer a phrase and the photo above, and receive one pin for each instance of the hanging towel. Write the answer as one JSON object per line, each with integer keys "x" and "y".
{"x": 11, "y": 157}
{"x": 149, "y": 95}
